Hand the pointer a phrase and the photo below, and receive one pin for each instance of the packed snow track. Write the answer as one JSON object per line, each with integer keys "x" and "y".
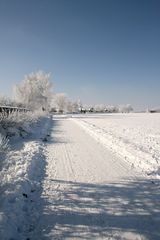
{"x": 90, "y": 193}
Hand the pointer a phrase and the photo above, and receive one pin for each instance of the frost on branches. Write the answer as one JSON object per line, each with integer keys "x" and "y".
{"x": 35, "y": 91}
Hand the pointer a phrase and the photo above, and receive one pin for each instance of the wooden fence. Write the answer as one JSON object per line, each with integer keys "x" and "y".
{"x": 8, "y": 109}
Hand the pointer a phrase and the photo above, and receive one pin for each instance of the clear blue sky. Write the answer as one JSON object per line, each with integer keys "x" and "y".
{"x": 101, "y": 51}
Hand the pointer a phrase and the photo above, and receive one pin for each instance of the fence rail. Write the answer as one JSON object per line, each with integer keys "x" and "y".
{"x": 9, "y": 109}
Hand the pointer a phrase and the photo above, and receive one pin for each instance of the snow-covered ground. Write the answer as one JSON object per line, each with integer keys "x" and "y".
{"x": 74, "y": 178}
{"x": 133, "y": 137}
{"x": 21, "y": 172}
{"x": 90, "y": 193}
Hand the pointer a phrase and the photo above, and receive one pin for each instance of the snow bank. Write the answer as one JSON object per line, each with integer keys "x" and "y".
{"x": 21, "y": 175}
{"x": 133, "y": 137}
{"x": 19, "y": 123}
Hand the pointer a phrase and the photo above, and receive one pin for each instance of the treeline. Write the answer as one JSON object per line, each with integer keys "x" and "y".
{"x": 35, "y": 92}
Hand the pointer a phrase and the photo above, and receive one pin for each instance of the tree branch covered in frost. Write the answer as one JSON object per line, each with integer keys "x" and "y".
{"x": 35, "y": 91}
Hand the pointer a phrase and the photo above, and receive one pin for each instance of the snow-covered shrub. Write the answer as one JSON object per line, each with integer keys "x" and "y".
{"x": 19, "y": 123}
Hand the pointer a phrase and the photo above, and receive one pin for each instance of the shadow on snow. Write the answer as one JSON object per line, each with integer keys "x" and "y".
{"x": 92, "y": 210}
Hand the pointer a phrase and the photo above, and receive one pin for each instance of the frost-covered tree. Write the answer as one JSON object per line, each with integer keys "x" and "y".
{"x": 99, "y": 108}
{"x": 111, "y": 109}
{"x": 35, "y": 91}
{"x": 61, "y": 101}
{"x": 125, "y": 108}
{"x": 4, "y": 101}
{"x": 77, "y": 106}
{"x": 79, "y": 102}
{"x": 73, "y": 107}
{"x": 69, "y": 106}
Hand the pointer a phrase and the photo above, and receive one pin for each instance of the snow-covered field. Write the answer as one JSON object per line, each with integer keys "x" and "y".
{"x": 80, "y": 177}
{"x": 133, "y": 137}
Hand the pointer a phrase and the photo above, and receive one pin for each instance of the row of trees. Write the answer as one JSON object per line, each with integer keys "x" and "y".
{"x": 35, "y": 92}
{"x": 101, "y": 108}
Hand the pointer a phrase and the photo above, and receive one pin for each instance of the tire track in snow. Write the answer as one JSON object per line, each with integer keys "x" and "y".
{"x": 96, "y": 133}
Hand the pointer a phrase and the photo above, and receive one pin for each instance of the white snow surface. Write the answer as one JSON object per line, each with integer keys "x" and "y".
{"x": 134, "y": 137}
{"x": 67, "y": 182}
{"x": 21, "y": 171}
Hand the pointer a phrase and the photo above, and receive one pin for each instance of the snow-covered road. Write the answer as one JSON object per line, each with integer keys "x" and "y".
{"x": 89, "y": 193}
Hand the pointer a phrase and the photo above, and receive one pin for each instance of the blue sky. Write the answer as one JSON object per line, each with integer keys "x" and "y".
{"x": 101, "y": 51}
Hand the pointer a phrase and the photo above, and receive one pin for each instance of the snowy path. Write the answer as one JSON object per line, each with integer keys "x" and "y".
{"x": 90, "y": 194}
